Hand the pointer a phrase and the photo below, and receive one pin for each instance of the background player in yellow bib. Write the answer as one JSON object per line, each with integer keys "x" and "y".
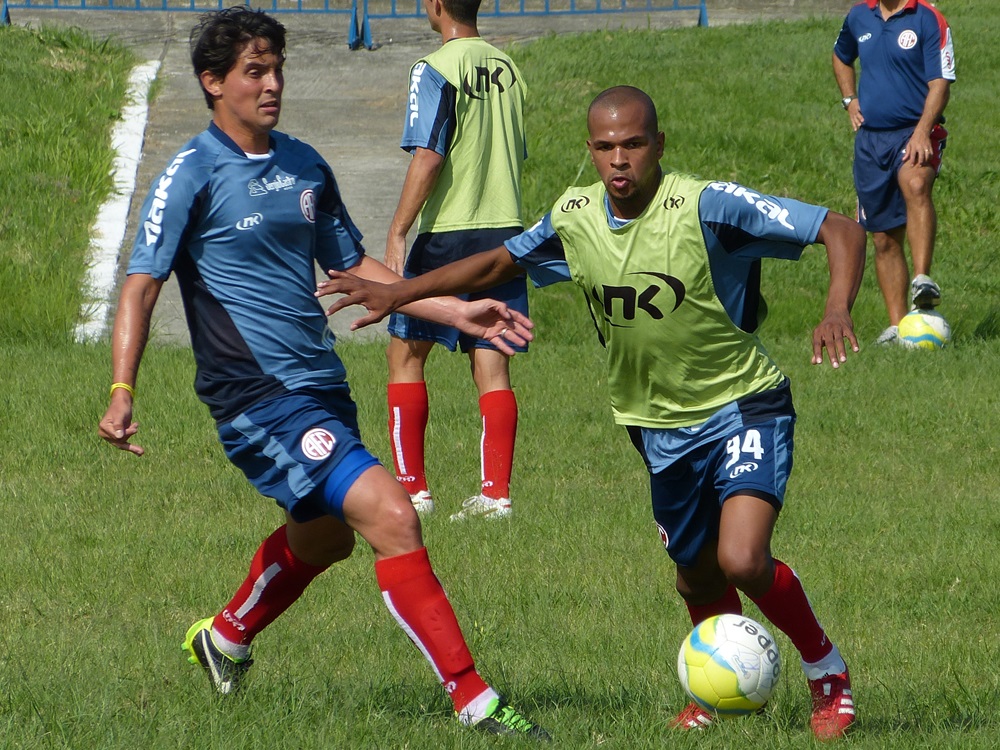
{"x": 464, "y": 127}
{"x": 671, "y": 269}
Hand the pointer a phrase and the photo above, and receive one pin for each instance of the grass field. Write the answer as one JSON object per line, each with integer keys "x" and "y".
{"x": 891, "y": 518}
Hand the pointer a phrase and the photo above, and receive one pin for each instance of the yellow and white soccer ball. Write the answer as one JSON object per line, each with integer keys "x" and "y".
{"x": 729, "y": 665}
{"x": 924, "y": 329}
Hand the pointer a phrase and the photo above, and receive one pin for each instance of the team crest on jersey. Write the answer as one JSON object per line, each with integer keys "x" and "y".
{"x": 307, "y": 202}
{"x": 317, "y": 444}
{"x": 907, "y": 40}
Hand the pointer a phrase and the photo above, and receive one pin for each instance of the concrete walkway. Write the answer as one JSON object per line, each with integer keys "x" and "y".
{"x": 348, "y": 105}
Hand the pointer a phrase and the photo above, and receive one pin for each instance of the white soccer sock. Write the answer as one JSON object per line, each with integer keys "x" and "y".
{"x": 832, "y": 663}
{"x": 479, "y": 707}
{"x": 235, "y": 651}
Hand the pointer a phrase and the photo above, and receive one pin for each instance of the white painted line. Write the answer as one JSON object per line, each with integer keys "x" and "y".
{"x": 108, "y": 231}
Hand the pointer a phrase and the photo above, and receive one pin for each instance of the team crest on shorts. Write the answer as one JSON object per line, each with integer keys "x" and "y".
{"x": 663, "y": 536}
{"x": 318, "y": 443}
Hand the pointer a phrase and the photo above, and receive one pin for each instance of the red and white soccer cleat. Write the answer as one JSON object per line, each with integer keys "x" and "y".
{"x": 692, "y": 717}
{"x": 833, "y": 706}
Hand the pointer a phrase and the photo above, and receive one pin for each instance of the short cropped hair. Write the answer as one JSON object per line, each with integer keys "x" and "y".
{"x": 463, "y": 11}
{"x": 220, "y": 37}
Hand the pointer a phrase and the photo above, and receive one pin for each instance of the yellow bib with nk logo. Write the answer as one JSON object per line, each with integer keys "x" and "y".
{"x": 479, "y": 186}
{"x": 674, "y": 355}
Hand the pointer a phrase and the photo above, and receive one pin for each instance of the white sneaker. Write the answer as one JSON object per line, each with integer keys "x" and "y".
{"x": 889, "y": 336}
{"x": 924, "y": 292}
{"x": 485, "y": 507}
{"x": 423, "y": 502}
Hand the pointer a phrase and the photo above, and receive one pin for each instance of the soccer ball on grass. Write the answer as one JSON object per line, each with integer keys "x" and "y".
{"x": 729, "y": 665}
{"x": 924, "y": 329}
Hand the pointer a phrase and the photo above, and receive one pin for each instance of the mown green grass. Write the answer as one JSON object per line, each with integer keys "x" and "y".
{"x": 62, "y": 92}
{"x": 891, "y": 516}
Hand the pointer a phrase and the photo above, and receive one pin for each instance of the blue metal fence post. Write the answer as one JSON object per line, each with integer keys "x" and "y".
{"x": 703, "y": 14}
{"x": 354, "y": 32}
{"x": 366, "y": 32}
{"x": 5, "y": 15}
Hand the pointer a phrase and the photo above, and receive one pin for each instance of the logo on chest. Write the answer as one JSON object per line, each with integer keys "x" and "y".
{"x": 907, "y": 40}
{"x": 263, "y": 186}
{"x": 623, "y": 304}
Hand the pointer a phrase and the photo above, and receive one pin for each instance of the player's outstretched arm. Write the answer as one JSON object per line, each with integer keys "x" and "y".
{"x": 373, "y": 286}
{"x": 128, "y": 341}
{"x": 845, "y": 242}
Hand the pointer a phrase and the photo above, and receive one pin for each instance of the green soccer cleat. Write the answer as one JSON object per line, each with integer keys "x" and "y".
{"x": 224, "y": 673}
{"x": 504, "y": 719}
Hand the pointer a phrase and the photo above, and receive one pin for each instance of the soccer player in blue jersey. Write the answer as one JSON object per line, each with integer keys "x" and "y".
{"x": 464, "y": 127}
{"x": 907, "y": 66}
{"x": 241, "y": 215}
{"x": 670, "y": 266}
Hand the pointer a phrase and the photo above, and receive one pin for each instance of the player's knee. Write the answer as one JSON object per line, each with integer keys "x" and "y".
{"x": 746, "y": 569}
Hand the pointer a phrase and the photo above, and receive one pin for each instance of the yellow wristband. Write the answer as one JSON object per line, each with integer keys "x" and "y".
{"x": 126, "y": 386}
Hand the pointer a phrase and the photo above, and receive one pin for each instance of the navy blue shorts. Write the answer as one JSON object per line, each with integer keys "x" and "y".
{"x": 878, "y": 155}
{"x": 433, "y": 250}
{"x": 754, "y": 459}
{"x": 293, "y": 446}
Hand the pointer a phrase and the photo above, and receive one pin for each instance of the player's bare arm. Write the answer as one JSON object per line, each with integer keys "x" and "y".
{"x": 421, "y": 176}
{"x": 847, "y": 83}
{"x": 845, "y": 250}
{"x": 128, "y": 342}
{"x": 473, "y": 274}
{"x": 374, "y": 286}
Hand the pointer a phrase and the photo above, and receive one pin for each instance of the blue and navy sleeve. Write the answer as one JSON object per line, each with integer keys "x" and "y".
{"x": 539, "y": 251}
{"x": 846, "y": 46}
{"x": 751, "y": 225}
{"x": 168, "y": 214}
{"x": 338, "y": 240}
{"x": 430, "y": 114}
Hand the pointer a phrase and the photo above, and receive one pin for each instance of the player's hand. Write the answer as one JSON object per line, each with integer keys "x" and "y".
{"x": 395, "y": 254}
{"x": 495, "y": 322}
{"x": 854, "y": 112}
{"x": 829, "y": 335}
{"x": 919, "y": 150}
{"x": 377, "y": 298}
{"x": 113, "y": 425}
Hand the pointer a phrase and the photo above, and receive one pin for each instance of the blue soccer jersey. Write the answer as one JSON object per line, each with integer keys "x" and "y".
{"x": 243, "y": 234}
{"x": 899, "y": 57}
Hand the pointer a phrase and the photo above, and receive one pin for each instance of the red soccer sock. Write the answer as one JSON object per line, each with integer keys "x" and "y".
{"x": 729, "y": 604}
{"x": 499, "y": 410}
{"x": 276, "y": 579}
{"x": 408, "y": 410}
{"x": 786, "y": 605}
{"x": 415, "y": 598}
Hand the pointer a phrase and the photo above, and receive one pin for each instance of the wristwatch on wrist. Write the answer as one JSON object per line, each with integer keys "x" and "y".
{"x": 846, "y": 101}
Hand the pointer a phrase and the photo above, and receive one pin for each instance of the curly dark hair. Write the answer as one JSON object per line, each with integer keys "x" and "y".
{"x": 219, "y": 38}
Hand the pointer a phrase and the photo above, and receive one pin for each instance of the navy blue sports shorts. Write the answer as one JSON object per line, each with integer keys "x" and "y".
{"x": 878, "y": 155}
{"x": 754, "y": 459}
{"x": 294, "y": 445}
{"x": 432, "y": 250}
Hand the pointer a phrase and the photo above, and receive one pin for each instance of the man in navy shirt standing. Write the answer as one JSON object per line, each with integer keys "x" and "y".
{"x": 907, "y": 66}
{"x": 241, "y": 215}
